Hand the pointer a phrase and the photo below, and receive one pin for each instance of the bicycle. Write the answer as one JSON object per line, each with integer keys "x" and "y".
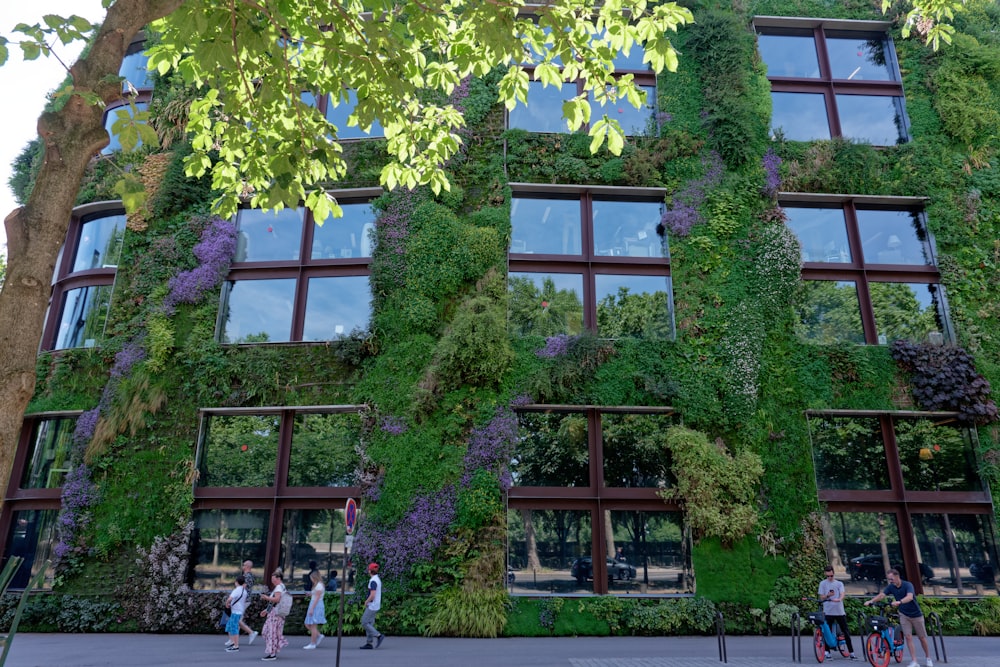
{"x": 885, "y": 641}
{"x": 824, "y": 637}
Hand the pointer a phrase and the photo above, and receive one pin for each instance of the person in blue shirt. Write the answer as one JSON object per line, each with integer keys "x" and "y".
{"x": 911, "y": 618}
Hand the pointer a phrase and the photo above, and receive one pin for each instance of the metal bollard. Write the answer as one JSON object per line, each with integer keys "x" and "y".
{"x": 937, "y": 634}
{"x": 720, "y": 635}
{"x": 796, "y": 637}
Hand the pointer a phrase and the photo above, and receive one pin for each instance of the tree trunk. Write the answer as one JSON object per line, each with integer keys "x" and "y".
{"x": 530, "y": 545}
{"x": 36, "y": 231}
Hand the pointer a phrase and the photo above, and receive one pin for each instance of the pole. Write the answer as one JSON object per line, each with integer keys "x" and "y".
{"x": 340, "y": 616}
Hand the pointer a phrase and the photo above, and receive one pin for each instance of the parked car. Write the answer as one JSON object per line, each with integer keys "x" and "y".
{"x": 871, "y": 568}
{"x": 981, "y": 571}
{"x": 582, "y": 570}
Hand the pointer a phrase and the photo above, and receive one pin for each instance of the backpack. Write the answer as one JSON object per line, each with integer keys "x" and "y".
{"x": 284, "y": 605}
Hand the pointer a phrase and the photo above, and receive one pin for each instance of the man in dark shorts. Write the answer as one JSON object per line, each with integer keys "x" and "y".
{"x": 911, "y": 619}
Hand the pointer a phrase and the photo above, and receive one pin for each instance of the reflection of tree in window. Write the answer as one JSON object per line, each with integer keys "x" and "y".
{"x": 544, "y": 312}
{"x": 934, "y": 458}
{"x": 552, "y": 451}
{"x": 642, "y": 315}
{"x": 848, "y": 453}
{"x": 634, "y": 451}
{"x": 240, "y": 451}
{"x": 899, "y": 312}
{"x": 547, "y": 538}
{"x": 323, "y": 450}
{"x": 828, "y": 312}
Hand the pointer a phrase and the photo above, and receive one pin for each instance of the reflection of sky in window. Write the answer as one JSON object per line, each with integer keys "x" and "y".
{"x": 100, "y": 242}
{"x": 657, "y": 324}
{"x": 545, "y": 226}
{"x": 269, "y": 235}
{"x": 822, "y": 233}
{"x": 336, "y": 306}
{"x": 627, "y": 228}
{"x": 544, "y": 110}
{"x": 337, "y": 116}
{"x": 347, "y": 236}
{"x": 632, "y": 121}
{"x": 110, "y": 117}
{"x": 858, "y": 59}
{"x": 789, "y": 55}
{"x": 607, "y": 284}
{"x": 876, "y": 119}
{"x": 82, "y": 308}
{"x": 134, "y": 71}
{"x": 259, "y": 310}
{"x": 891, "y": 237}
{"x": 800, "y": 116}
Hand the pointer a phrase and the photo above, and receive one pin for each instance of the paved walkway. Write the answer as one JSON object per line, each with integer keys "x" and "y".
{"x": 135, "y": 650}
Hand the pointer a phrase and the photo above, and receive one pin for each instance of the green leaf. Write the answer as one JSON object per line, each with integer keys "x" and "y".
{"x": 130, "y": 190}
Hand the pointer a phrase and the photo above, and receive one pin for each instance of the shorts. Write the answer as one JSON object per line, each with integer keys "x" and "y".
{"x": 233, "y": 624}
{"x": 912, "y": 625}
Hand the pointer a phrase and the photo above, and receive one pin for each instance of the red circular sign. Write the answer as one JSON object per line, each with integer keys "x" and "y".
{"x": 350, "y": 515}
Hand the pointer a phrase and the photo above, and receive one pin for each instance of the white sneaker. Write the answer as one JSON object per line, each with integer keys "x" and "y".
{"x": 309, "y": 647}
{"x": 321, "y": 638}
{"x": 930, "y": 663}
{"x": 826, "y": 655}
{"x": 253, "y": 636}
{"x": 914, "y": 664}
{"x": 229, "y": 642}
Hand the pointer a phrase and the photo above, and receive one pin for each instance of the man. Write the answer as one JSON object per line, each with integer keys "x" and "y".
{"x": 911, "y": 618}
{"x": 831, "y": 592}
{"x": 248, "y": 580}
{"x": 372, "y": 605}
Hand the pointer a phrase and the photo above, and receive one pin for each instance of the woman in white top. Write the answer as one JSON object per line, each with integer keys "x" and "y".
{"x": 274, "y": 626}
{"x": 315, "y": 615}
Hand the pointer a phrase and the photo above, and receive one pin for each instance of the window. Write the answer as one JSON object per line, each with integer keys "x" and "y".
{"x": 135, "y": 68}
{"x": 32, "y": 537}
{"x": 577, "y": 527}
{"x": 313, "y": 538}
{"x": 83, "y": 315}
{"x": 833, "y": 79}
{"x": 589, "y": 259}
{"x": 48, "y": 458}
{"x": 222, "y": 540}
{"x": 543, "y": 112}
{"x": 869, "y": 270}
{"x": 121, "y": 114}
{"x": 294, "y": 279}
{"x": 339, "y": 110}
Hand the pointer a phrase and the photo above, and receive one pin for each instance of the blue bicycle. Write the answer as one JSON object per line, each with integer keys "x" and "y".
{"x": 885, "y": 638}
{"x": 825, "y": 638}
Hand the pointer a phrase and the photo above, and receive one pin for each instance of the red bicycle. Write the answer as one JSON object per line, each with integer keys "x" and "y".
{"x": 885, "y": 639}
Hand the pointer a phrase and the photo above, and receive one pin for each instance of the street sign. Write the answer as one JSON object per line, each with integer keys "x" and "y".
{"x": 350, "y": 515}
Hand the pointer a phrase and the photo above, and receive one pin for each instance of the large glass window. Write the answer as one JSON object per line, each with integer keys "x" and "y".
{"x": 100, "y": 242}
{"x": 545, "y": 226}
{"x": 909, "y": 311}
{"x": 936, "y": 456}
{"x": 222, "y": 539}
{"x": 652, "y": 553}
{"x": 634, "y": 306}
{"x": 634, "y": 452}
{"x": 324, "y": 450}
{"x": 861, "y": 546}
{"x": 553, "y": 450}
{"x": 118, "y": 115}
{"x": 32, "y": 537}
{"x": 238, "y": 450}
{"x": 313, "y": 539}
{"x": 48, "y": 459}
{"x": 835, "y": 79}
{"x": 848, "y": 453}
{"x": 829, "y": 312}
{"x": 822, "y": 233}
{"x": 135, "y": 68}
{"x": 958, "y": 553}
{"x": 336, "y": 306}
{"x": 269, "y": 235}
{"x": 338, "y": 113}
{"x": 258, "y": 311}
{"x": 546, "y": 304}
{"x": 352, "y": 235}
{"x": 894, "y": 237}
{"x": 548, "y": 550}
{"x": 83, "y": 315}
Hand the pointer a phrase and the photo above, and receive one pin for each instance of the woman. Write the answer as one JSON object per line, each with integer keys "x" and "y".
{"x": 274, "y": 626}
{"x": 315, "y": 616}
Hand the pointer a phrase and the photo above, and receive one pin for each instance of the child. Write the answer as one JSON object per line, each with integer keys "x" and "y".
{"x": 236, "y": 603}
{"x": 315, "y": 615}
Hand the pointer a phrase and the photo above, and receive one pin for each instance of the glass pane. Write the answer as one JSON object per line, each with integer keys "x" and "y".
{"x": 267, "y": 236}
{"x": 628, "y": 228}
{"x": 32, "y": 537}
{"x": 861, "y": 546}
{"x": 85, "y": 310}
{"x": 632, "y": 60}
{"x": 634, "y": 452}
{"x": 337, "y": 116}
{"x": 545, "y": 304}
{"x": 936, "y": 457}
{"x": 222, "y": 540}
{"x": 633, "y": 121}
{"x": 100, "y": 242}
{"x": 543, "y": 112}
{"x": 860, "y": 59}
{"x": 324, "y": 450}
{"x": 313, "y": 540}
{"x": 958, "y": 553}
{"x": 238, "y": 451}
{"x": 651, "y": 553}
{"x": 905, "y": 310}
{"x": 111, "y": 117}
{"x": 545, "y": 226}
{"x": 876, "y": 119}
{"x": 336, "y": 306}
{"x": 893, "y": 237}
{"x": 829, "y": 312}
{"x": 346, "y": 237}
{"x": 634, "y": 306}
{"x": 258, "y": 311}
{"x": 548, "y": 551}
{"x": 799, "y": 116}
{"x": 789, "y": 55}
{"x": 48, "y": 460}
{"x": 134, "y": 70}
{"x": 552, "y": 450}
{"x": 848, "y": 453}
{"x": 822, "y": 233}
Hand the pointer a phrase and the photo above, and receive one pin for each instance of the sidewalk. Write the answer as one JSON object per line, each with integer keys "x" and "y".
{"x": 132, "y": 650}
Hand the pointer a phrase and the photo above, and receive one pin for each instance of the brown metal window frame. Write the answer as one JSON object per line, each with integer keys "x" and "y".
{"x": 588, "y": 264}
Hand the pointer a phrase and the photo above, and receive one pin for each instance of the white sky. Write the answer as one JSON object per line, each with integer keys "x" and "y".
{"x": 26, "y": 84}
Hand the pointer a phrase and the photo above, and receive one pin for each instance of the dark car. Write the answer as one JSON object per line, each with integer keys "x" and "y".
{"x": 871, "y": 568}
{"x": 981, "y": 571}
{"x": 582, "y": 569}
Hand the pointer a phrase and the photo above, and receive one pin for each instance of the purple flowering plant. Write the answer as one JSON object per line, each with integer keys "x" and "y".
{"x": 556, "y": 346}
{"x": 215, "y": 254}
{"x": 772, "y": 173}
{"x": 683, "y": 214}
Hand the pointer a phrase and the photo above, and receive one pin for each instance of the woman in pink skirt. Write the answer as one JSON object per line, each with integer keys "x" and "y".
{"x": 274, "y": 626}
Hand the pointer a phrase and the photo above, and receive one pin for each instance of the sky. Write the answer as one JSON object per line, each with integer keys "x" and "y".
{"x": 26, "y": 84}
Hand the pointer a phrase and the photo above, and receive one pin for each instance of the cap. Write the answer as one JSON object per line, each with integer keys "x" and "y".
{"x": 373, "y": 567}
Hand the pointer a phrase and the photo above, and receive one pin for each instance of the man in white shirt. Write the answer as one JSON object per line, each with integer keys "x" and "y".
{"x": 372, "y": 605}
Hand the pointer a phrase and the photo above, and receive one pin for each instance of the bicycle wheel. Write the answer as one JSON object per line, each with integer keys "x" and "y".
{"x": 819, "y": 645}
{"x": 897, "y": 653}
{"x": 843, "y": 649}
{"x": 877, "y": 650}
